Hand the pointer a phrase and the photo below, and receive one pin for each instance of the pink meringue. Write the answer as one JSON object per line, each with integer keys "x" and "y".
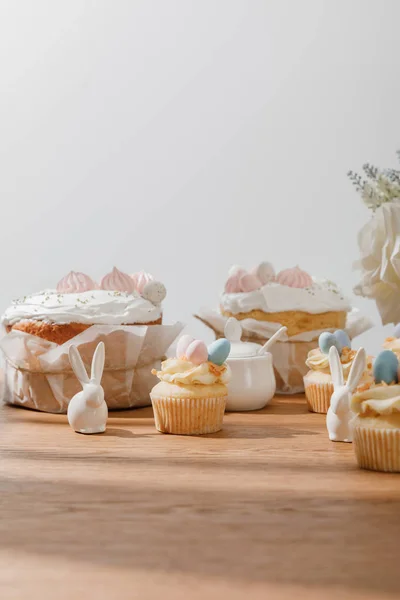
{"x": 76, "y": 282}
{"x": 140, "y": 279}
{"x": 236, "y": 270}
{"x": 117, "y": 281}
{"x": 249, "y": 283}
{"x": 295, "y": 278}
{"x": 232, "y": 285}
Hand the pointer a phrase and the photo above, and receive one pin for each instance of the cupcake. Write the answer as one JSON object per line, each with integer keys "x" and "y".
{"x": 78, "y": 302}
{"x": 291, "y": 298}
{"x": 191, "y": 396}
{"x": 318, "y": 384}
{"x": 377, "y": 424}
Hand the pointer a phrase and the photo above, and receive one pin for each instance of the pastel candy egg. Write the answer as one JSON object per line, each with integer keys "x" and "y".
{"x": 197, "y": 352}
{"x": 385, "y": 367}
{"x": 218, "y": 351}
{"x": 326, "y": 340}
{"x": 397, "y": 331}
{"x": 249, "y": 282}
{"x": 265, "y": 272}
{"x": 183, "y": 344}
{"x": 342, "y": 339}
{"x": 154, "y": 292}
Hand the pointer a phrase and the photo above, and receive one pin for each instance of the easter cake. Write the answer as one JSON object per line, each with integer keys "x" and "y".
{"x": 292, "y": 298}
{"x": 376, "y": 426}
{"x": 78, "y": 302}
{"x": 190, "y": 398}
{"x": 122, "y": 311}
{"x": 318, "y": 382}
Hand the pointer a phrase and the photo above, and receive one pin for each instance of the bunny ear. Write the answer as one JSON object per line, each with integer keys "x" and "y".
{"x": 77, "y": 365}
{"x": 98, "y": 363}
{"x": 336, "y": 367}
{"x": 357, "y": 369}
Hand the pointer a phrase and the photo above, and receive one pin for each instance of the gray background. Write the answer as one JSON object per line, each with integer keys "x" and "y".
{"x": 184, "y": 136}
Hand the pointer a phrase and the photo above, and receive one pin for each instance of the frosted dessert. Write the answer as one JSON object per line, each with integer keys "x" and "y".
{"x": 318, "y": 382}
{"x": 292, "y": 298}
{"x": 377, "y": 424}
{"x": 78, "y": 302}
{"x": 190, "y": 398}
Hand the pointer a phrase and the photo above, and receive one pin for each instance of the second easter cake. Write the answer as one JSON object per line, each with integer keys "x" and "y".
{"x": 292, "y": 298}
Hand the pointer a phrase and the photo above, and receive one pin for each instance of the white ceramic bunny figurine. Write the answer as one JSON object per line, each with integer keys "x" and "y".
{"x": 87, "y": 410}
{"x": 339, "y": 418}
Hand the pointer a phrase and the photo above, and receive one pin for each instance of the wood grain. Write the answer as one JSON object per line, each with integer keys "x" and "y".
{"x": 266, "y": 508}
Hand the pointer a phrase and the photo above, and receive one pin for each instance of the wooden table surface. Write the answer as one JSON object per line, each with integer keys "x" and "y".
{"x": 266, "y": 508}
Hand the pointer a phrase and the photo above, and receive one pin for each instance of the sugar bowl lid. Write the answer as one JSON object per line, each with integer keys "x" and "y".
{"x": 239, "y": 349}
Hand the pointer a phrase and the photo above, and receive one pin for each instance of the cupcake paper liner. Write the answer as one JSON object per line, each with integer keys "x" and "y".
{"x": 377, "y": 449}
{"x": 318, "y": 396}
{"x": 188, "y": 416}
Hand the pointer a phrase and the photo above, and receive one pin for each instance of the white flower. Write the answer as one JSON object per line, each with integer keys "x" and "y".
{"x": 388, "y": 189}
{"x": 370, "y": 196}
{"x": 379, "y": 242}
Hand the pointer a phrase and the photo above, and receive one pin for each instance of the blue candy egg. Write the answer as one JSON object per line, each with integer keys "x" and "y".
{"x": 218, "y": 351}
{"x": 326, "y": 340}
{"x": 385, "y": 367}
{"x": 342, "y": 339}
{"x": 396, "y": 332}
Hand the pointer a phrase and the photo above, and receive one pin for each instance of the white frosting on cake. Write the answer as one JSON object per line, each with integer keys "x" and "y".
{"x": 322, "y": 296}
{"x": 100, "y": 307}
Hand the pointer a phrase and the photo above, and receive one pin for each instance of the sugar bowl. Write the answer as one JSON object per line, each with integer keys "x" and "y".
{"x": 252, "y": 384}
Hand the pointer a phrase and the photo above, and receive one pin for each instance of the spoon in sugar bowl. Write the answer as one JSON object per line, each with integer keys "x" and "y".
{"x": 252, "y": 383}
{"x": 274, "y": 338}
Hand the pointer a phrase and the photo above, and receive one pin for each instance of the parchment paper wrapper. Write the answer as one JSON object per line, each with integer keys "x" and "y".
{"x": 37, "y": 373}
{"x": 289, "y": 354}
{"x": 379, "y": 242}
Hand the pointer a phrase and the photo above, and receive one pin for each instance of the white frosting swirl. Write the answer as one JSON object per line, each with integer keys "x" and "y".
{"x": 378, "y": 400}
{"x": 100, "y": 307}
{"x": 322, "y": 296}
{"x": 318, "y": 362}
{"x": 177, "y": 370}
